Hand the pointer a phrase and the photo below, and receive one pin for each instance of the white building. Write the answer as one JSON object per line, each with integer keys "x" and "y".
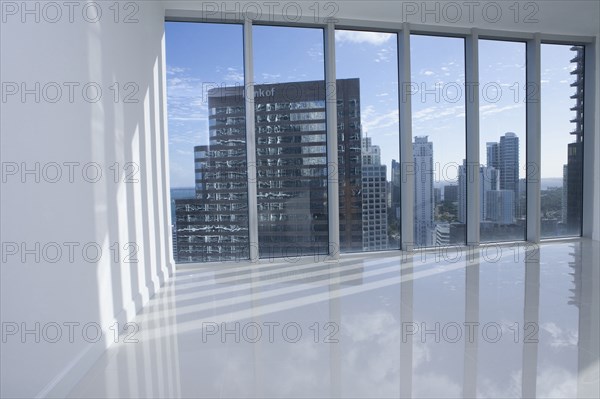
{"x": 424, "y": 205}
{"x": 488, "y": 181}
{"x": 500, "y": 206}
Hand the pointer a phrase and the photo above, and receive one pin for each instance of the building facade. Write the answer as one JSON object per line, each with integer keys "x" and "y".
{"x": 374, "y": 198}
{"x": 575, "y": 150}
{"x": 292, "y": 173}
{"x": 424, "y": 200}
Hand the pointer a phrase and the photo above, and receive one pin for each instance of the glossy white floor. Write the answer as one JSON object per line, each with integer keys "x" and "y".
{"x": 511, "y": 321}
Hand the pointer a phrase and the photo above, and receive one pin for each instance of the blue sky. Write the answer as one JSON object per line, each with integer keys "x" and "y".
{"x": 200, "y": 56}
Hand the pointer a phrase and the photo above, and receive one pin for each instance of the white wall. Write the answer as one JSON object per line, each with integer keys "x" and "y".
{"x": 106, "y": 132}
{"x": 104, "y": 212}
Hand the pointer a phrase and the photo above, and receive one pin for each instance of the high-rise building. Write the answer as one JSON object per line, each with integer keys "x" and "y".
{"x": 500, "y": 205}
{"x": 492, "y": 155}
{"x": 504, "y": 157}
{"x": 451, "y": 193}
{"x": 565, "y": 190}
{"x": 574, "y": 193}
{"x": 424, "y": 204}
{"x": 441, "y": 234}
{"x": 508, "y": 165}
{"x": 488, "y": 181}
{"x": 374, "y": 198}
{"x": 291, "y": 172}
{"x": 395, "y": 189}
{"x": 437, "y": 195}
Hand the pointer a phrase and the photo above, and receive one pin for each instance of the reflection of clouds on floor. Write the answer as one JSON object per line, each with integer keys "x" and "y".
{"x": 430, "y": 385}
{"x": 556, "y": 382}
{"x": 369, "y": 298}
{"x": 494, "y": 389}
{"x": 370, "y": 353}
{"x": 560, "y": 337}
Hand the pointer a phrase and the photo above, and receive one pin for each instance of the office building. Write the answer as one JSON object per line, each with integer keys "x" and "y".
{"x": 504, "y": 157}
{"x": 424, "y": 201}
{"x": 575, "y": 150}
{"x": 451, "y": 193}
{"x": 291, "y": 175}
{"x": 374, "y": 198}
{"x": 500, "y": 205}
{"x": 488, "y": 181}
{"x": 395, "y": 189}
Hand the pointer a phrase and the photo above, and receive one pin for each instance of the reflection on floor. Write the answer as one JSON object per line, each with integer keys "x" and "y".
{"x": 500, "y": 321}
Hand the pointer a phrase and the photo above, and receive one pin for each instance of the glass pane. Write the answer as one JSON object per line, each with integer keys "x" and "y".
{"x": 289, "y": 99}
{"x": 207, "y": 141}
{"x": 502, "y": 198}
{"x": 368, "y": 140}
{"x": 438, "y": 111}
{"x": 562, "y": 140}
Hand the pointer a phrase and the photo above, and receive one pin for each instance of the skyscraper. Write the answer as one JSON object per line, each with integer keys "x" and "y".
{"x": 395, "y": 189}
{"x": 508, "y": 165}
{"x": 424, "y": 205}
{"x": 504, "y": 157}
{"x": 488, "y": 181}
{"x": 565, "y": 190}
{"x": 291, "y": 173}
{"x": 492, "y": 155}
{"x": 575, "y": 150}
{"x": 451, "y": 193}
{"x": 500, "y": 206}
{"x": 374, "y": 198}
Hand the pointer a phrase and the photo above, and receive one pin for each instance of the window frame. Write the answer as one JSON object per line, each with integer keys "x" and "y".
{"x": 404, "y": 30}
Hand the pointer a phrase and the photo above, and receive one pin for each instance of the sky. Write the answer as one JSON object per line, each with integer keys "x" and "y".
{"x": 200, "y": 56}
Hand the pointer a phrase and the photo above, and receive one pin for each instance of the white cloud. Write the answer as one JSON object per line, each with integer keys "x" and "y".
{"x": 382, "y": 55}
{"x": 315, "y": 53}
{"x": 233, "y": 75}
{"x": 373, "y": 38}
{"x": 373, "y": 121}
{"x": 491, "y": 109}
{"x": 271, "y": 77}
{"x": 556, "y": 382}
{"x": 560, "y": 337}
{"x": 424, "y": 113}
{"x": 173, "y": 70}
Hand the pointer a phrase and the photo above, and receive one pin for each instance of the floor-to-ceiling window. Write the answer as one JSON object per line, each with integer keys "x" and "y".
{"x": 562, "y": 68}
{"x": 207, "y": 104}
{"x": 438, "y": 123}
{"x": 207, "y": 141}
{"x": 368, "y": 140}
{"x": 502, "y": 194}
{"x": 291, "y": 151}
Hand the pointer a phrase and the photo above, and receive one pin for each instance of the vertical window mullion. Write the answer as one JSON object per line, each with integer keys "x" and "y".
{"x": 472, "y": 121}
{"x": 407, "y": 183}
{"x": 250, "y": 142}
{"x": 333, "y": 196}
{"x": 533, "y": 138}
{"x": 590, "y": 200}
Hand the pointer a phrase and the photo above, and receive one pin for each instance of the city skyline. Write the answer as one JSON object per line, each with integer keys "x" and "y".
{"x": 187, "y": 73}
{"x": 438, "y": 121}
{"x": 291, "y": 178}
